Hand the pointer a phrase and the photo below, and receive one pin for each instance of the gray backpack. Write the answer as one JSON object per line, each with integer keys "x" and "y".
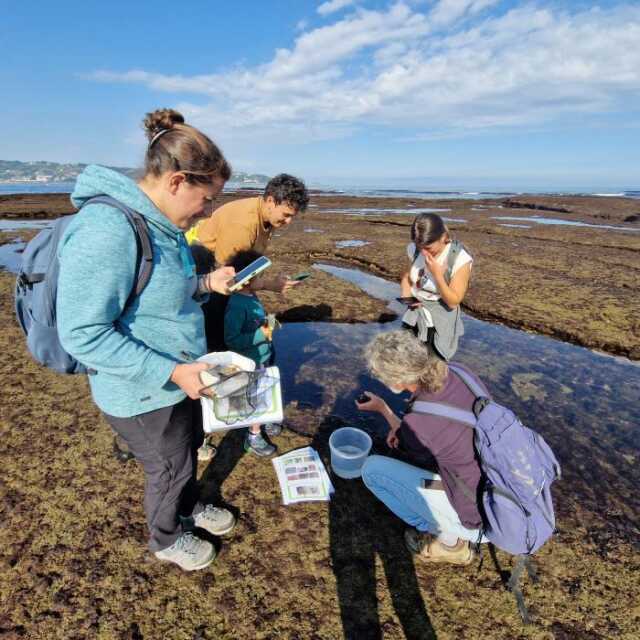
{"x": 37, "y": 286}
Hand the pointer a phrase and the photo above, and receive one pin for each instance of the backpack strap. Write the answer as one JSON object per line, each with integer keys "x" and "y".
{"x": 454, "y": 252}
{"x": 523, "y": 562}
{"x": 469, "y": 381}
{"x": 444, "y": 411}
{"x": 144, "y": 258}
{"x": 448, "y": 411}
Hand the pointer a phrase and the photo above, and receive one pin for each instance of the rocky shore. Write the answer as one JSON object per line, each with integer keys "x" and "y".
{"x": 74, "y": 562}
{"x": 577, "y": 283}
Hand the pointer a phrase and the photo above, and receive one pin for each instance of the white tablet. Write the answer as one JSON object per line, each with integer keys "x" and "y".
{"x": 251, "y": 271}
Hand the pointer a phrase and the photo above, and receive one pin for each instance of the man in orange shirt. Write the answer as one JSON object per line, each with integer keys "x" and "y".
{"x": 244, "y": 225}
{"x": 247, "y": 225}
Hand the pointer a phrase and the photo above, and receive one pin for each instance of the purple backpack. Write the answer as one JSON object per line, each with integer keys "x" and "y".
{"x": 518, "y": 468}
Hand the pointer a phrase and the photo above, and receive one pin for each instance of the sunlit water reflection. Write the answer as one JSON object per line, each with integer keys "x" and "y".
{"x": 584, "y": 403}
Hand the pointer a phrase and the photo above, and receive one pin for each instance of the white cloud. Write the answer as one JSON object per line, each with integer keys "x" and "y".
{"x": 332, "y": 6}
{"x": 448, "y": 11}
{"x": 400, "y": 68}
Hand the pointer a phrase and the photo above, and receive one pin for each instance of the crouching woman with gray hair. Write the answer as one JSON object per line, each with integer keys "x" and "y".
{"x": 441, "y": 508}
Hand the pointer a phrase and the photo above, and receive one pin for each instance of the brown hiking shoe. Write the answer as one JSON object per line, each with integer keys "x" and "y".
{"x": 428, "y": 549}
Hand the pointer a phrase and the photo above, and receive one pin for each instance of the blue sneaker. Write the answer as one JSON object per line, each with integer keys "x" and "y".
{"x": 273, "y": 429}
{"x": 256, "y": 443}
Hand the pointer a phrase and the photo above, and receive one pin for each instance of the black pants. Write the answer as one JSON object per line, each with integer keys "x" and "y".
{"x": 213, "y": 311}
{"x": 165, "y": 443}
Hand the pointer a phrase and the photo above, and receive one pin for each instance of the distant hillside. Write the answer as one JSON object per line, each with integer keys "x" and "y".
{"x": 40, "y": 171}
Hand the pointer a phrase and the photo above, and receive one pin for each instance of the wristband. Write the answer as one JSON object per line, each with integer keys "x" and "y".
{"x": 202, "y": 284}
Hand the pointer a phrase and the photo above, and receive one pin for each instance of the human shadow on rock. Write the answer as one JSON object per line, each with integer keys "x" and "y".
{"x": 229, "y": 452}
{"x": 306, "y": 313}
{"x": 361, "y": 529}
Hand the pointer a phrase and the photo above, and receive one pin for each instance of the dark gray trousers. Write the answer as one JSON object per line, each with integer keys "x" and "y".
{"x": 165, "y": 442}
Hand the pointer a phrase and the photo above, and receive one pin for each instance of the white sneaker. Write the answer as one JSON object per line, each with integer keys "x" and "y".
{"x": 216, "y": 520}
{"x": 207, "y": 451}
{"x": 188, "y": 552}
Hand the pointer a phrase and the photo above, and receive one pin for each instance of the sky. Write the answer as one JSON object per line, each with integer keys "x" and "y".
{"x": 476, "y": 94}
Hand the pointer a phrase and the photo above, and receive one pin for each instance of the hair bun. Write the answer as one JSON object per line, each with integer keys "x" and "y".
{"x": 161, "y": 119}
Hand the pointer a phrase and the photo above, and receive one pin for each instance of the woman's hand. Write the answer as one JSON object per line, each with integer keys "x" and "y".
{"x": 218, "y": 280}
{"x": 187, "y": 377}
{"x": 392, "y": 438}
{"x": 374, "y": 403}
{"x": 436, "y": 269}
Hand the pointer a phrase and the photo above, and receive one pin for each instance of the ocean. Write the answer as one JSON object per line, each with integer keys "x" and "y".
{"x": 327, "y": 190}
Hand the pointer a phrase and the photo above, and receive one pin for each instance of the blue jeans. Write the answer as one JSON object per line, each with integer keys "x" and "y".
{"x": 400, "y": 486}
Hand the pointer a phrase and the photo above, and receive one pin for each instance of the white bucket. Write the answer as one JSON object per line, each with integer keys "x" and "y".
{"x": 349, "y": 449}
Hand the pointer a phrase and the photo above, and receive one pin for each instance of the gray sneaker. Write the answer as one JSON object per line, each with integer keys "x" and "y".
{"x": 255, "y": 443}
{"x": 273, "y": 429}
{"x": 216, "y": 520}
{"x": 188, "y": 552}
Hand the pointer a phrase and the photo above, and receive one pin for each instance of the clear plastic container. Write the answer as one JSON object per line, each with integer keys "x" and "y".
{"x": 349, "y": 449}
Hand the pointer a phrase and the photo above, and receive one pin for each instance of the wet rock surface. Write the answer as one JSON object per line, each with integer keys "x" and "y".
{"x": 73, "y": 563}
{"x": 579, "y": 284}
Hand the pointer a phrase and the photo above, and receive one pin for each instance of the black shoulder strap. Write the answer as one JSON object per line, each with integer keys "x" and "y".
{"x": 144, "y": 258}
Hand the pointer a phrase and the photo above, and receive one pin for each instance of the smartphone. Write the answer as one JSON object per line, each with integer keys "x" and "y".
{"x": 300, "y": 276}
{"x": 431, "y": 483}
{"x": 251, "y": 271}
{"x": 408, "y": 300}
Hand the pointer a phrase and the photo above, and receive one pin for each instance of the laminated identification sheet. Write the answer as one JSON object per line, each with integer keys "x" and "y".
{"x": 302, "y": 476}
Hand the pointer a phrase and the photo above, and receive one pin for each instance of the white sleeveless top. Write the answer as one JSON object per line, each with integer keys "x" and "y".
{"x": 423, "y": 286}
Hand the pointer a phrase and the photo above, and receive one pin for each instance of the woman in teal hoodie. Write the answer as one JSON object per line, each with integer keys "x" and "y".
{"x": 141, "y": 354}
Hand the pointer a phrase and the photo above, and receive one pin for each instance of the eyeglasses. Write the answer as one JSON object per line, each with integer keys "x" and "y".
{"x": 210, "y": 204}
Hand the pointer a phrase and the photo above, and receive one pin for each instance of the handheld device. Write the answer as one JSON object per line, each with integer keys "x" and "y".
{"x": 363, "y": 397}
{"x": 408, "y": 300}
{"x": 251, "y": 271}
{"x": 301, "y": 276}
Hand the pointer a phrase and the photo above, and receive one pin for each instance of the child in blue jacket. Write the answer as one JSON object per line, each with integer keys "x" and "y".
{"x": 247, "y": 332}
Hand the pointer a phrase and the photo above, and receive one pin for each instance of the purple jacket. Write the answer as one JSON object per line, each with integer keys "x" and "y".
{"x": 451, "y": 444}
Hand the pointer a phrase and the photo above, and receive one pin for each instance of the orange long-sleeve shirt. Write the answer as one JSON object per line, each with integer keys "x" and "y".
{"x": 236, "y": 226}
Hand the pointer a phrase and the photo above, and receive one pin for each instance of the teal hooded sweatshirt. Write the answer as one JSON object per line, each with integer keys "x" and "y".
{"x": 134, "y": 349}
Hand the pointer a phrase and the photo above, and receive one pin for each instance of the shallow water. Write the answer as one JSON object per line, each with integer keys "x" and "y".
{"x": 559, "y": 221}
{"x": 343, "y": 244}
{"x": 376, "y": 211}
{"x": 584, "y": 403}
{"x": 21, "y": 225}
{"x": 373, "y": 285}
{"x": 11, "y": 255}
{"x": 407, "y": 211}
